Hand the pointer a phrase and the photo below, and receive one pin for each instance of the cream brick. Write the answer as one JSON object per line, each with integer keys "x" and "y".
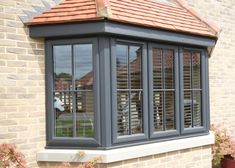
{"x": 7, "y": 29}
{"x": 16, "y": 50}
{"x": 7, "y": 16}
{"x": 7, "y": 3}
{"x": 2, "y": 63}
{"x": 15, "y": 24}
{"x": 16, "y": 37}
{"x": 7, "y": 43}
{"x": 8, "y": 122}
{"x": 6, "y": 136}
{"x": 8, "y": 56}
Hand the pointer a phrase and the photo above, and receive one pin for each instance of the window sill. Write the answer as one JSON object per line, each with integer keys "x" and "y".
{"x": 114, "y": 155}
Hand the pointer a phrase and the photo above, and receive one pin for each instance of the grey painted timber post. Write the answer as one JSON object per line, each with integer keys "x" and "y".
{"x": 105, "y": 91}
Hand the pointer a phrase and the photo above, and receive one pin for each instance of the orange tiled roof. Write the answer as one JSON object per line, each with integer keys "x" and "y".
{"x": 147, "y": 13}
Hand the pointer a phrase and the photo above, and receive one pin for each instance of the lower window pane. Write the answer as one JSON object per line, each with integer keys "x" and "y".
{"x": 84, "y": 114}
{"x": 136, "y": 112}
{"x": 158, "y": 111}
{"x": 123, "y": 113}
{"x": 63, "y": 114}
{"x": 187, "y": 109}
{"x": 192, "y": 109}
{"x": 129, "y": 113}
{"x": 197, "y": 108}
{"x": 164, "y": 110}
{"x": 170, "y": 110}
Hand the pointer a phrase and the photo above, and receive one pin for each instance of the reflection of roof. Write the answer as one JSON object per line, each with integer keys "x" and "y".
{"x": 86, "y": 80}
{"x": 147, "y": 13}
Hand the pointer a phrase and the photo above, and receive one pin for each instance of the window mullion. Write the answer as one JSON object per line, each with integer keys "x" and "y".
{"x": 73, "y": 93}
{"x": 164, "y": 92}
{"x": 191, "y": 69}
{"x": 129, "y": 90}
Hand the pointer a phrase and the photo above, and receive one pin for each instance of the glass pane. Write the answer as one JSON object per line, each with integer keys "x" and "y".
{"x": 83, "y": 67}
{"x": 187, "y": 109}
{"x": 63, "y": 106}
{"x": 187, "y": 70}
{"x": 136, "y": 112}
{"x": 122, "y": 66}
{"x": 197, "y": 108}
{"x": 170, "y": 110}
{"x": 123, "y": 113}
{"x": 135, "y": 67}
{"x": 62, "y": 56}
{"x": 196, "y": 70}
{"x": 84, "y": 114}
{"x": 168, "y": 56}
{"x": 158, "y": 111}
{"x": 157, "y": 69}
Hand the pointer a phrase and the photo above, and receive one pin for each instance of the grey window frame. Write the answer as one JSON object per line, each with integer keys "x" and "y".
{"x": 137, "y": 137}
{"x": 73, "y": 141}
{"x": 170, "y": 133}
{"x": 204, "y": 92}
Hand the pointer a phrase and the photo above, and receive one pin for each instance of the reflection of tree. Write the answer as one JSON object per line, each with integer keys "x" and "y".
{"x": 62, "y": 81}
{"x": 64, "y": 76}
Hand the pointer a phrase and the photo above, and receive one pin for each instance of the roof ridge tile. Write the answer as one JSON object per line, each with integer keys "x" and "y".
{"x": 103, "y": 8}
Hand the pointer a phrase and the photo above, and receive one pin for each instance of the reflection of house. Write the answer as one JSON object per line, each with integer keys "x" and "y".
{"x": 84, "y": 95}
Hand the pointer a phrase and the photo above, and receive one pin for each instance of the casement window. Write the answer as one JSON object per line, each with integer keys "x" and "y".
{"x": 74, "y": 77}
{"x": 104, "y": 92}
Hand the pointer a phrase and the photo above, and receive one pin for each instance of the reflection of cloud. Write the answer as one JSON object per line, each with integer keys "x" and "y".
{"x": 82, "y": 58}
{"x": 62, "y": 59}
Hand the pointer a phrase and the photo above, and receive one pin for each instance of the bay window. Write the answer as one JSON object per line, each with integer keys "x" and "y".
{"x": 104, "y": 92}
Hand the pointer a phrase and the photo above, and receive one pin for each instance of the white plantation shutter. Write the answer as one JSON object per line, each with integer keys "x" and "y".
{"x": 163, "y": 89}
{"x": 192, "y": 89}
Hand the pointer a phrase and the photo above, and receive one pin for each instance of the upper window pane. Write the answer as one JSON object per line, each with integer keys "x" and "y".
{"x": 168, "y": 57}
{"x": 196, "y": 68}
{"x": 122, "y": 66}
{"x": 83, "y": 67}
{"x": 62, "y": 67}
{"x": 135, "y": 67}
{"x": 163, "y": 69}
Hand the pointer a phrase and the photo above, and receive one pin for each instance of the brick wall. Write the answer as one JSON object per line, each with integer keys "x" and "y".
{"x": 190, "y": 158}
{"x": 22, "y": 89}
{"x": 222, "y": 61}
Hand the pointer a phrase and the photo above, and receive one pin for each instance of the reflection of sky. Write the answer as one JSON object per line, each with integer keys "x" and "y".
{"x": 133, "y": 53}
{"x": 122, "y": 53}
{"x": 62, "y": 59}
{"x": 82, "y": 58}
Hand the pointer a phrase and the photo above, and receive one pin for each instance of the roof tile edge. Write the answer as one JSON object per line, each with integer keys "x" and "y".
{"x": 29, "y": 14}
{"x": 211, "y": 25}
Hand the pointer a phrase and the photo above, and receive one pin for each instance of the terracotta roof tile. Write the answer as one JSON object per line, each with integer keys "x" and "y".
{"x": 148, "y": 13}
